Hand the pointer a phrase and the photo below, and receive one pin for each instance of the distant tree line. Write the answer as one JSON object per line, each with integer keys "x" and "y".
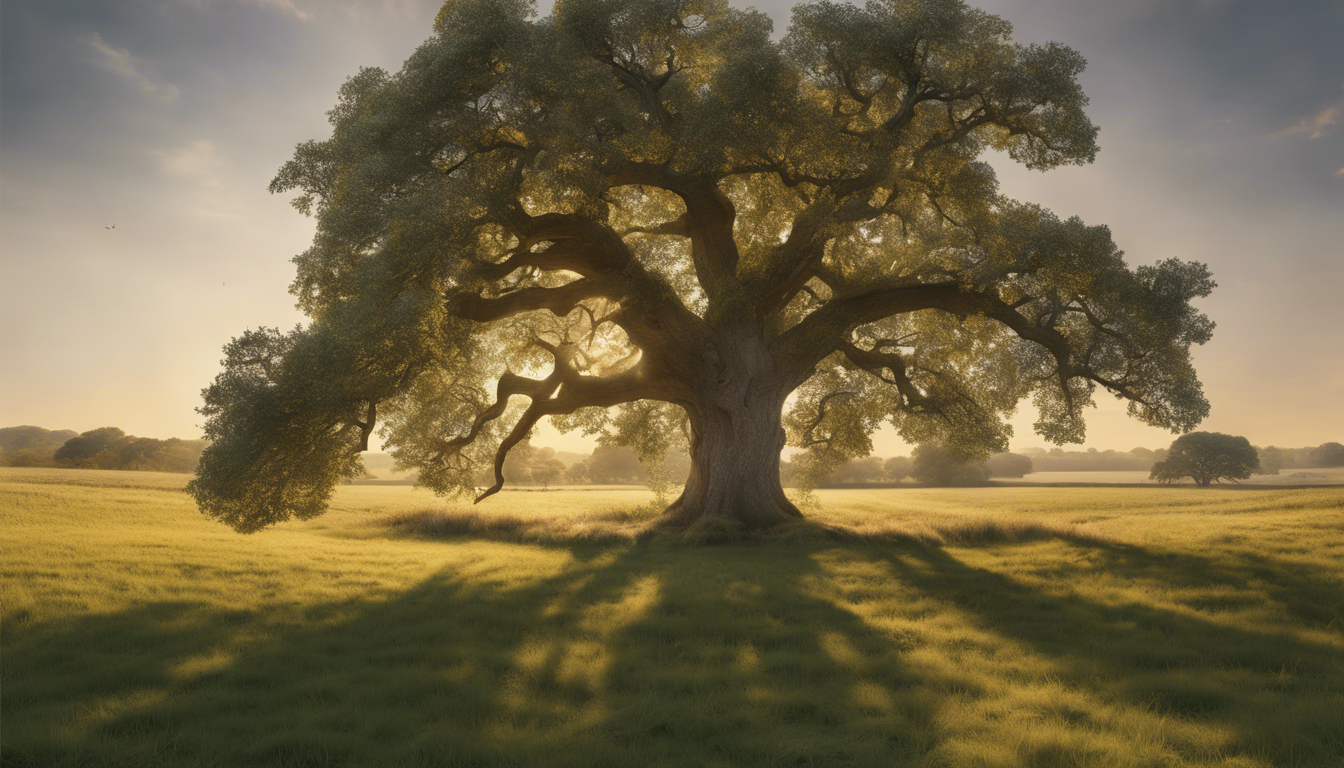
{"x": 1323, "y": 456}
{"x": 102, "y": 448}
{"x": 930, "y": 465}
{"x": 111, "y": 448}
{"x": 31, "y": 446}
{"x": 606, "y": 465}
{"x": 1093, "y": 460}
{"x": 934, "y": 465}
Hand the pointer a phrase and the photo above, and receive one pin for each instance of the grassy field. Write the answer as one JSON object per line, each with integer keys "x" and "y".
{"x": 1288, "y": 477}
{"x": 985, "y": 627}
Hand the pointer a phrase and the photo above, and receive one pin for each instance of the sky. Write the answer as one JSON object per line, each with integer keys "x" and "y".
{"x": 138, "y": 137}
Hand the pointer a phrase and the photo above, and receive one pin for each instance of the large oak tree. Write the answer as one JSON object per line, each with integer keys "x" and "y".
{"x": 649, "y": 219}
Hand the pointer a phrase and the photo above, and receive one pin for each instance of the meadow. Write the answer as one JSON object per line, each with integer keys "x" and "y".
{"x": 1012, "y": 626}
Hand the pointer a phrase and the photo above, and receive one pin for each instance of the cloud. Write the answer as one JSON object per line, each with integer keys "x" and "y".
{"x": 195, "y": 161}
{"x": 1316, "y": 126}
{"x": 125, "y": 65}
{"x": 289, "y": 7}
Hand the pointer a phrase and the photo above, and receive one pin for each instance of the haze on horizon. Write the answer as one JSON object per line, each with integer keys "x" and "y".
{"x": 1222, "y": 141}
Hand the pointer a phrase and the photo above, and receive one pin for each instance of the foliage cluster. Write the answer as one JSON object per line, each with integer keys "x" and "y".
{"x": 528, "y": 464}
{"x": 1093, "y": 460}
{"x": 1325, "y": 455}
{"x": 103, "y": 448}
{"x": 934, "y": 465}
{"x": 870, "y": 469}
{"x": 1207, "y": 457}
{"x": 1010, "y": 465}
{"x": 1271, "y": 460}
{"x": 29, "y": 446}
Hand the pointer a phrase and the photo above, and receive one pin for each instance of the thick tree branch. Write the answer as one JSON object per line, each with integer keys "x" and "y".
{"x": 645, "y": 90}
{"x": 808, "y": 441}
{"x": 676, "y": 228}
{"x": 875, "y": 361}
{"x": 509, "y": 384}
{"x": 560, "y": 301}
{"x": 565, "y": 391}
{"x": 826, "y": 330}
{"x": 708, "y": 220}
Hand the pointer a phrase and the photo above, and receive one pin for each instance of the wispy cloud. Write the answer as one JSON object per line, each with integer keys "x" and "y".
{"x": 195, "y": 161}
{"x": 290, "y": 7}
{"x": 125, "y": 65}
{"x": 1318, "y": 125}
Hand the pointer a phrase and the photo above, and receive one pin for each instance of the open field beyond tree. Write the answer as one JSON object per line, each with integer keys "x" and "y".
{"x": 1288, "y": 477}
{"x": 1141, "y": 626}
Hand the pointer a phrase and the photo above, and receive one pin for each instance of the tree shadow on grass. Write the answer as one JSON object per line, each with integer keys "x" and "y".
{"x": 627, "y": 656}
{"x": 660, "y": 655}
{"x": 1280, "y": 691}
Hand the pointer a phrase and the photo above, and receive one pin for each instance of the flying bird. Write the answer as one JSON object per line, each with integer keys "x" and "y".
{"x": 114, "y": 226}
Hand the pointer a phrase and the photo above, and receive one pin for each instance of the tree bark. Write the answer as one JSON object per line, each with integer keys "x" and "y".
{"x": 736, "y": 439}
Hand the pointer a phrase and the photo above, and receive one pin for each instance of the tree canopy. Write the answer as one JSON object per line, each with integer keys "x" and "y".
{"x": 30, "y": 438}
{"x": 650, "y": 220}
{"x": 82, "y": 451}
{"x": 1271, "y": 460}
{"x": 1327, "y": 455}
{"x": 934, "y": 464}
{"x": 1009, "y": 465}
{"x": 1207, "y": 457}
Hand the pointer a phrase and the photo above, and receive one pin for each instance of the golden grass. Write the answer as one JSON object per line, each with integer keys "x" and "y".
{"x": 981, "y": 627}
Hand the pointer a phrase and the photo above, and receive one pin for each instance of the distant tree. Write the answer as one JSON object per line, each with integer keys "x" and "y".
{"x": 517, "y": 465}
{"x": 677, "y": 466}
{"x": 111, "y": 448}
{"x": 897, "y": 468}
{"x": 83, "y": 451}
{"x": 1206, "y": 457}
{"x": 577, "y": 474}
{"x": 547, "y": 471}
{"x": 1271, "y": 460}
{"x": 149, "y": 454}
{"x": 615, "y": 465}
{"x": 1008, "y": 465}
{"x": 27, "y": 457}
{"x": 127, "y": 452}
{"x": 30, "y": 438}
{"x": 935, "y": 464}
{"x": 181, "y": 455}
{"x": 1296, "y": 458}
{"x": 866, "y": 470}
{"x": 1326, "y": 455}
{"x": 1091, "y": 460}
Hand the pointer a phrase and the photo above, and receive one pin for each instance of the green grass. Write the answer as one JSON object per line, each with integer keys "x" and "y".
{"x": 984, "y": 627}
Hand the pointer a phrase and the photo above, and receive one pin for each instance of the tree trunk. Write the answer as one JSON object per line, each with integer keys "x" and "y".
{"x": 737, "y": 436}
